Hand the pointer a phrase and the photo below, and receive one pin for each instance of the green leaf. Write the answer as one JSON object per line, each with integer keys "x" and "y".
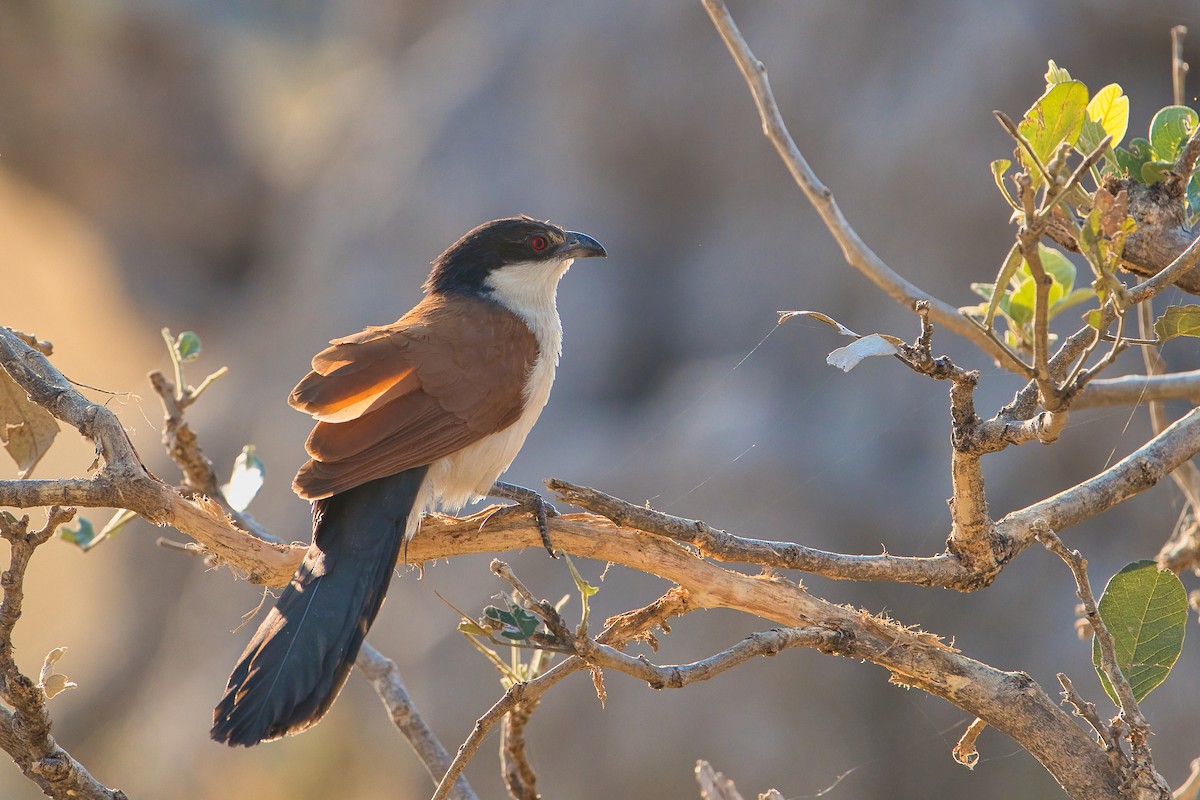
{"x": 1092, "y": 318}
{"x": 999, "y": 167}
{"x": 116, "y": 522}
{"x": 82, "y": 535}
{"x": 1056, "y": 117}
{"x": 247, "y": 478}
{"x": 1073, "y": 299}
{"x": 1145, "y": 609}
{"x": 1130, "y": 161}
{"x": 1193, "y": 192}
{"x": 1110, "y": 108}
{"x": 518, "y": 623}
{"x": 1178, "y": 321}
{"x": 187, "y": 347}
{"x": 1058, "y": 267}
{"x": 1155, "y": 171}
{"x": 1090, "y": 136}
{"x": 1000, "y": 301}
{"x": 1169, "y": 129}
{"x": 1020, "y": 302}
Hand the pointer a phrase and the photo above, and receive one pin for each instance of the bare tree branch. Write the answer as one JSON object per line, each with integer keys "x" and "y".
{"x": 854, "y": 249}
{"x": 25, "y": 730}
{"x": 714, "y": 785}
{"x": 385, "y": 676}
{"x": 1131, "y": 390}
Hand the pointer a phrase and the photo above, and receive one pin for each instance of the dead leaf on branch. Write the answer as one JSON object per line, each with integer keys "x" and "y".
{"x": 874, "y": 344}
{"x": 848, "y": 357}
{"x": 51, "y": 682}
{"x": 26, "y": 429}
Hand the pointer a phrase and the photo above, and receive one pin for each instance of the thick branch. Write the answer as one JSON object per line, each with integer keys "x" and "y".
{"x": 1135, "y": 473}
{"x": 1129, "y": 390}
{"x": 941, "y": 570}
{"x": 972, "y": 534}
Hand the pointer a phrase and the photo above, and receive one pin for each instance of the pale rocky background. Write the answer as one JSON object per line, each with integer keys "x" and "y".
{"x": 273, "y": 175}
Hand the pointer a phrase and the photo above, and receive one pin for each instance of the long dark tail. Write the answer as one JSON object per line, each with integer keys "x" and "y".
{"x": 296, "y": 663}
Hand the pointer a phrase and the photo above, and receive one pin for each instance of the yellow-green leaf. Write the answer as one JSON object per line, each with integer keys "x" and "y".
{"x": 1055, "y": 118}
{"x": 187, "y": 346}
{"x": 1110, "y": 107}
{"x": 1011, "y": 264}
{"x": 999, "y": 167}
{"x": 1178, "y": 321}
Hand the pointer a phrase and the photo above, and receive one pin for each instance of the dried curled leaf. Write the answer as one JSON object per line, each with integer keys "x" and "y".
{"x": 876, "y": 344}
{"x": 51, "y": 682}
{"x": 784, "y": 316}
{"x": 26, "y": 429}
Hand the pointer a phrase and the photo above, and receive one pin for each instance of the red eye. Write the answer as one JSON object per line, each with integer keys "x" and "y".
{"x": 538, "y": 243}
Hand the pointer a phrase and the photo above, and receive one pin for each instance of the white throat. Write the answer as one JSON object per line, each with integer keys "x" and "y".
{"x": 530, "y": 291}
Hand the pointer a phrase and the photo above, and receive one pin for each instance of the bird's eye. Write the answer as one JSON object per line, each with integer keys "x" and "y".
{"x": 538, "y": 243}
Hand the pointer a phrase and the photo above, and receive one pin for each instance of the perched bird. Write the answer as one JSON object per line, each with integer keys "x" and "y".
{"x": 427, "y": 411}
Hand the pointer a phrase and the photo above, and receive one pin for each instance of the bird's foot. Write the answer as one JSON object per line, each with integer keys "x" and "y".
{"x": 527, "y": 502}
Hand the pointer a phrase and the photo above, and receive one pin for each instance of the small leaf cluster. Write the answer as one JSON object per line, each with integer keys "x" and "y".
{"x": 1016, "y": 303}
{"x": 518, "y": 627}
{"x": 1066, "y": 122}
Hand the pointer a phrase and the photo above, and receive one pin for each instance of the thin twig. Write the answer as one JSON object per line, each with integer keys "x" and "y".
{"x": 1140, "y": 766}
{"x": 1108, "y": 648}
{"x": 854, "y": 249}
{"x": 1086, "y": 710}
{"x": 1179, "y": 67}
{"x": 483, "y": 726}
{"x": 676, "y": 676}
{"x": 1187, "y": 477}
{"x": 384, "y": 675}
{"x": 965, "y": 751}
{"x": 25, "y": 729}
{"x": 1190, "y": 788}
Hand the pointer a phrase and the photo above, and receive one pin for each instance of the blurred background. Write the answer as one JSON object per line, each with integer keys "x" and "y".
{"x": 273, "y": 175}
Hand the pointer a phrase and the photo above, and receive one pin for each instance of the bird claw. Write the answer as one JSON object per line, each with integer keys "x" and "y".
{"x": 527, "y": 502}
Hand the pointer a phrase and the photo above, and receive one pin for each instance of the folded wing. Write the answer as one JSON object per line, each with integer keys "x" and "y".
{"x": 448, "y": 373}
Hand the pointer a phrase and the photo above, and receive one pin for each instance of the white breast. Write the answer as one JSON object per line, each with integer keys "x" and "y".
{"x": 529, "y": 291}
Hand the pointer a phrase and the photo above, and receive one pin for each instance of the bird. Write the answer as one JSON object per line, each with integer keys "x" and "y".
{"x": 425, "y": 412}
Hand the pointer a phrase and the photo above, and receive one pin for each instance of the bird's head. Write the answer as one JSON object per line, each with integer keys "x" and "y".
{"x": 517, "y": 254}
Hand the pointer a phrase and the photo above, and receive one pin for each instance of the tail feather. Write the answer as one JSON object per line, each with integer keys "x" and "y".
{"x": 297, "y": 662}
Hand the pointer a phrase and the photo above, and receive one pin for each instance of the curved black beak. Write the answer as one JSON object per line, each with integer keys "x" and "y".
{"x": 580, "y": 245}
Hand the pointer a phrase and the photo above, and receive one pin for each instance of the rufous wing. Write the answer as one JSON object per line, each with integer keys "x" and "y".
{"x": 446, "y": 374}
